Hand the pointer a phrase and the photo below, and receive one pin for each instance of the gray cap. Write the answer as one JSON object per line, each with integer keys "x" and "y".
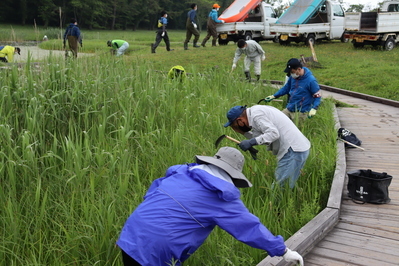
{"x": 231, "y": 161}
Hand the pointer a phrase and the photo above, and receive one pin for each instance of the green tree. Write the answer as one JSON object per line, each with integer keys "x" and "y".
{"x": 355, "y": 8}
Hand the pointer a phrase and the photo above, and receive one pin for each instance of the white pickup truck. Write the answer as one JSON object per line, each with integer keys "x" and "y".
{"x": 308, "y": 21}
{"x": 254, "y": 27}
{"x": 374, "y": 28}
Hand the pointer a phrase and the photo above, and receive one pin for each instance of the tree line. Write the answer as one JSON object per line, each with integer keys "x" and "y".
{"x": 114, "y": 14}
{"x": 110, "y": 14}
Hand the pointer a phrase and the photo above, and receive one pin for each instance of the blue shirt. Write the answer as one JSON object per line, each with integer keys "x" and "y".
{"x": 304, "y": 92}
{"x": 191, "y": 14}
{"x": 180, "y": 210}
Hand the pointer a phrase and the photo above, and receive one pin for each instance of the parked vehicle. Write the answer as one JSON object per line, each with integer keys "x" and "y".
{"x": 246, "y": 19}
{"x": 308, "y": 21}
{"x": 374, "y": 28}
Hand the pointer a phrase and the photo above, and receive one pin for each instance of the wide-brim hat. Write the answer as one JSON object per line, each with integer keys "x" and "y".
{"x": 231, "y": 161}
{"x": 216, "y": 6}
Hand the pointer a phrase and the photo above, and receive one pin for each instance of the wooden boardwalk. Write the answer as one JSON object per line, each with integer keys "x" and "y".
{"x": 366, "y": 234}
{"x": 346, "y": 233}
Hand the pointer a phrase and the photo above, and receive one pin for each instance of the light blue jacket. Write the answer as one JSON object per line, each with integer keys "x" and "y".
{"x": 214, "y": 15}
{"x": 180, "y": 210}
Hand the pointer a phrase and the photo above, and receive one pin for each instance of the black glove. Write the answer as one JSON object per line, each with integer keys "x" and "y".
{"x": 64, "y": 44}
{"x": 247, "y": 144}
{"x": 81, "y": 44}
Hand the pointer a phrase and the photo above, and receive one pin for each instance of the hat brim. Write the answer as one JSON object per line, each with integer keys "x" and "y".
{"x": 287, "y": 70}
{"x": 228, "y": 124}
{"x": 239, "y": 178}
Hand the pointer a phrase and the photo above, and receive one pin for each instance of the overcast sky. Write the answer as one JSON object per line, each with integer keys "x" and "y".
{"x": 368, "y": 4}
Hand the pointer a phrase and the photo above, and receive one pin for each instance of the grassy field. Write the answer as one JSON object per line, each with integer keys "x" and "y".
{"x": 83, "y": 139}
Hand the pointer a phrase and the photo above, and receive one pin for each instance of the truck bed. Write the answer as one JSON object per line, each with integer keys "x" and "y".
{"x": 372, "y": 22}
{"x": 300, "y": 12}
{"x": 240, "y": 26}
{"x": 299, "y": 29}
{"x": 238, "y": 10}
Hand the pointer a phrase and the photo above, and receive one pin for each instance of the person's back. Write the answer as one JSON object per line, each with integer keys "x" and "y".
{"x": 182, "y": 192}
{"x": 288, "y": 133}
{"x": 7, "y": 53}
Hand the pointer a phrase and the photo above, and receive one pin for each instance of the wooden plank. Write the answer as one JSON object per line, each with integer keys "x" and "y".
{"x": 365, "y": 230}
{"x": 304, "y": 240}
{"x": 363, "y": 239}
{"x": 348, "y": 258}
{"x": 361, "y": 249}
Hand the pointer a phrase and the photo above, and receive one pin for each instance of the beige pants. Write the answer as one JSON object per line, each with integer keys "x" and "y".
{"x": 257, "y": 64}
{"x": 295, "y": 116}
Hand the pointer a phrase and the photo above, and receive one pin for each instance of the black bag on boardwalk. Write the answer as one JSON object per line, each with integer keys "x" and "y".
{"x": 368, "y": 186}
{"x": 345, "y": 134}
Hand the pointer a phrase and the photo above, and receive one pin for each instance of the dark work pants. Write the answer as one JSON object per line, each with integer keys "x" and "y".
{"x": 129, "y": 261}
{"x": 73, "y": 45}
{"x": 159, "y": 38}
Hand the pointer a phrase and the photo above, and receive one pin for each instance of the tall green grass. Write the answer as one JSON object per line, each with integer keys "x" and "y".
{"x": 83, "y": 139}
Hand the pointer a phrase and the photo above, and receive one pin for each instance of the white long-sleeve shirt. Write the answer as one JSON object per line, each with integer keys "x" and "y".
{"x": 253, "y": 49}
{"x": 272, "y": 127}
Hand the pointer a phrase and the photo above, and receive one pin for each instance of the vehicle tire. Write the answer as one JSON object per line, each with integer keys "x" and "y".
{"x": 389, "y": 44}
{"x": 223, "y": 42}
{"x": 248, "y": 36}
{"x": 284, "y": 42}
{"x": 275, "y": 39}
{"x": 311, "y": 38}
{"x": 343, "y": 39}
{"x": 358, "y": 45}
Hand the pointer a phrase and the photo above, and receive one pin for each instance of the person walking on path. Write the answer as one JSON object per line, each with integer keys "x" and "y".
{"x": 118, "y": 46}
{"x": 182, "y": 208}
{"x": 161, "y": 33}
{"x": 262, "y": 124}
{"x": 72, "y": 34}
{"x": 303, "y": 91}
{"x": 254, "y": 54}
{"x": 211, "y": 25}
{"x": 192, "y": 27}
{"x": 7, "y": 53}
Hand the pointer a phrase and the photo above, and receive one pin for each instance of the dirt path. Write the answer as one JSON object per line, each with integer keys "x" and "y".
{"x": 37, "y": 53}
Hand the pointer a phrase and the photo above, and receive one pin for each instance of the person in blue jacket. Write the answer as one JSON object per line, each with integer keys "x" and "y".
{"x": 162, "y": 33}
{"x": 72, "y": 34}
{"x": 303, "y": 90}
{"x": 182, "y": 208}
{"x": 211, "y": 25}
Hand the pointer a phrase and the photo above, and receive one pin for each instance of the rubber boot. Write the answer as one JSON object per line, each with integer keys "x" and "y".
{"x": 152, "y": 48}
{"x": 213, "y": 42}
{"x": 247, "y": 76}
{"x": 185, "y": 46}
{"x": 203, "y": 43}
{"x": 195, "y": 45}
{"x": 257, "y": 77}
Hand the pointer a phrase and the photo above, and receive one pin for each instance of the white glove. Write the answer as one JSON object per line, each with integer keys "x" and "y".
{"x": 233, "y": 67}
{"x": 163, "y": 34}
{"x": 293, "y": 256}
{"x": 263, "y": 57}
{"x": 195, "y": 25}
{"x": 222, "y": 21}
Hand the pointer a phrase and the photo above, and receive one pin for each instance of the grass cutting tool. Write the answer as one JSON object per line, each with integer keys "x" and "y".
{"x": 252, "y": 150}
{"x": 353, "y": 145}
